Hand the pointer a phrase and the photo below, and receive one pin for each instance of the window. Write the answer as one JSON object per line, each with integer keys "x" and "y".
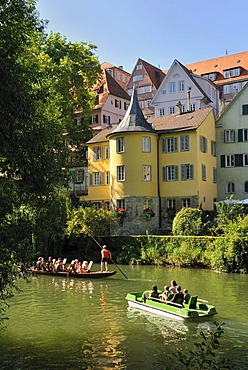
{"x": 172, "y": 87}
{"x": 171, "y": 110}
{"x": 77, "y": 121}
{"x": 214, "y": 175}
{"x": 120, "y": 145}
{"x": 97, "y": 178}
{"x": 230, "y": 188}
{"x": 147, "y": 203}
{"x": 146, "y": 173}
{"x": 232, "y": 73}
{"x": 180, "y": 86}
{"x": 94, "y": 118}
{"x": 229, "y": 136}
{"x": 213, "y": 148}
{"x": 107, "y": 152}
{"x": 107, "y": 206}
{"x": 203, "y": 144}
{"x": 139, "y": 67}
{"x": 242, "y": 135}
{"x": 226, "y": 89}
{"x": 192, "y": 107}
{"x": 106, "y": 119}
{"x": 121, "y": 203}
{"x": 170, "y": 145}
{"x": 245, "y": 187}
{"x": 146, "y": 144}
{"x": 107, "y": 177}
{"x": 171, "y": 204}
{"x": 125, "y": 105}
{"x": 245, "y": 109}
{"x": 211, "y": 76}
{"x": 118, "y": 75}
{"x": 79, "y": 176}
{"x": 227, "y": 160}
{"x": 187, "y": 172}
{"x": 170, "y": 173}
{"x": 137, "y": 78}
{"x": 184, "y": 143}
{"x": 117, "y": 103}
{"x": 97, "y": 153}
{"x": 162, "y": 111}
{"x": 204, "y": 172}
{"x": 123, "y": 78}
{"x": 186, "y": 202}
{"x": 120, "y": 173}
{"x": 245, "y": 159}
{"x": 144, "y": 89}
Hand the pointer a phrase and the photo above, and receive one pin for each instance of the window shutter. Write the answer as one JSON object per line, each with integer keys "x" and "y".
{"x": 164, "y": 146}
{"x": 183, "y": 172}
{"x": 175, "y": 144}
{"x": 240, "y": 135}
{"x": 222, "y": 161}
{"x": 91, "y": 179}
{"x": 96, "y": 118}
{"x": 192, "y": 171}
{"x": 164, "y": 174}
{"x": 176, "y": 172}
{"x": 238, "y": 160}
{"x": 115, "y": 103}
{"x": 104, "y": 118}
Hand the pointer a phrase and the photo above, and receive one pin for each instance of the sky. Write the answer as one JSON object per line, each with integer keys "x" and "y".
{"x": 155, "y": 31}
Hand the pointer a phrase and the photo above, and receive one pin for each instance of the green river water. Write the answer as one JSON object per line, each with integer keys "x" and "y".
{"x": 69, "y": 323}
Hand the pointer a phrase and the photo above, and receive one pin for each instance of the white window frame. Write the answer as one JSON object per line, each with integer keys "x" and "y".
{"x": 107, "y": 152}
{"x": 79, "y": 176}
{"x": 245, "y": 160}
{"x": 120, "y": 173}
{"x": 172, "y": 87}
{"x": 229, "y": 160}
{"x": 185, "y": 202}
{"x": 146, "y": 144}
{"x": 170, "y": 145}
{"x": 181, "y": 86}
{"x": 230, "y": 188}
{"x": 97, "y": 153}
{"x": 184, "y": 143}
{"x": 162, "y": 111}
{"x": 170, "y": 173}
{"x": 137, "y": 78}
{"x": 229, "y": 136}
{"x": 203, "y": 144}
{"x": 204, "y": 172}
{"x": 171, "y": 204}
{"x": 107, "y": 177}
{"x": 97, "y": 178}
{"x": 187, "y": 172}
{"x": 147, "y": 173}
{"x": 172, "y": 110}
{"x": 120, "y": 148}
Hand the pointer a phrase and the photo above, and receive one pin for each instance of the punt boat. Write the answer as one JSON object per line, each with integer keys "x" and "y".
{"x": 194, "y": 309}
{"x": 82, "y": 275}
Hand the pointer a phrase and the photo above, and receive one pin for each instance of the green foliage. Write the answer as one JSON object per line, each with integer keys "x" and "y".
{"x": 204, "y": 357}
{"x": 188, "y": 253}
{"x": 227, "y": 212}
{"x": 91, "y": 221}
{"x": 188, "y": 221}
{"x": 153, "y": 250}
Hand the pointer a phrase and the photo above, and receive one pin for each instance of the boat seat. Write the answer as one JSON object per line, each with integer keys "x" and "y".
{"x": 192, "y": 302}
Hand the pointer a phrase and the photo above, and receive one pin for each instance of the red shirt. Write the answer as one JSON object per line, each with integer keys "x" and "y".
{"x": 105, "y": 253}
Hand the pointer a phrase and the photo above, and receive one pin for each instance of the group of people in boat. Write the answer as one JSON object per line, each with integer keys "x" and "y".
{"x": 59, "y": 265}
{"x": 172, "y": 293}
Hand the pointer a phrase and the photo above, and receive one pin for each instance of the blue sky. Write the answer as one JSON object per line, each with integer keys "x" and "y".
{"x": 156, "y": 31}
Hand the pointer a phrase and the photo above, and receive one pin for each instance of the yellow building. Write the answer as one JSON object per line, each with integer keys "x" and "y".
{"x": 146, "y": 169}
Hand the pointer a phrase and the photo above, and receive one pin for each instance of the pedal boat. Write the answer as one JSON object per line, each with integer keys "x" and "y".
{"x": 194, "y": 309}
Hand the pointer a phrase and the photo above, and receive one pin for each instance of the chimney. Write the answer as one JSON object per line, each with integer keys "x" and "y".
{"x": 188, "y": 99}
{"x": 179, "y": 108}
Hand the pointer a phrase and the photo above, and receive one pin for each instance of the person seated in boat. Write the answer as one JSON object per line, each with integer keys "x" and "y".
{"x": 186, "y": 296}
{"x": 173, "y": 287}
{"x": 72, "y": 267}
{"x": 178, "y": 296}
{"x": 154, "y": 293}
{"x": 166, "y": 295}
{"x": 49, "y": 264}
{"x": 40, "y": 264}
{"x": 85, "y": 266}
{"x": 60, "y": 266}
{"x": 77, "y": 265}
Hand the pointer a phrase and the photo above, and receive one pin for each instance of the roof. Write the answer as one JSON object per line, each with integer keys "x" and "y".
{"x": 221, "y": 64}
{"x": 102, "y": 135}
{"x": 134, "y": 120}
{"x": 182, "y": 122}
{"x": 106, "y": 86}
{"x": 156, "y": 74}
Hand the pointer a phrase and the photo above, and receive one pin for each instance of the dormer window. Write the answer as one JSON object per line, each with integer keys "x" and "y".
{"x": 232, "y": 72}
{"x": 137, "y": 78}
{"x": 139, "y": 67}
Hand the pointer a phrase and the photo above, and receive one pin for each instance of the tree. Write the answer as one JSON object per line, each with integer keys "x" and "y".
{"x": 44, "y": 79}
{"x": 188, "y": 221}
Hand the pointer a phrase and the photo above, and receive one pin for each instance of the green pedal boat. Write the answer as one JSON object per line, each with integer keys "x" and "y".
{"x": 194, "y": 309}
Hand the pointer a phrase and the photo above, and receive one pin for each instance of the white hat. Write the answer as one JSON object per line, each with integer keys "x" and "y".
{"x": 104, "y": 246}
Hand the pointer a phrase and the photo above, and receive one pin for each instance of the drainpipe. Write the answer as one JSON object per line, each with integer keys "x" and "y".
{"x": 188, "y": 99}
{"x": 158, "y": 182}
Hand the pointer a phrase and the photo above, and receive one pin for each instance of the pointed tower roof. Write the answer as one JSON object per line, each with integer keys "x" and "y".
{"x": 134, "y": 120}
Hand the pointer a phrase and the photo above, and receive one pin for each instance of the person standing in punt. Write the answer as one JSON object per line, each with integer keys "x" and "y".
{"x": 105, "y": 258}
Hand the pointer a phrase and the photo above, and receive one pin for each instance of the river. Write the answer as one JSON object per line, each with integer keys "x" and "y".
{"x": 69, "y": 323}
